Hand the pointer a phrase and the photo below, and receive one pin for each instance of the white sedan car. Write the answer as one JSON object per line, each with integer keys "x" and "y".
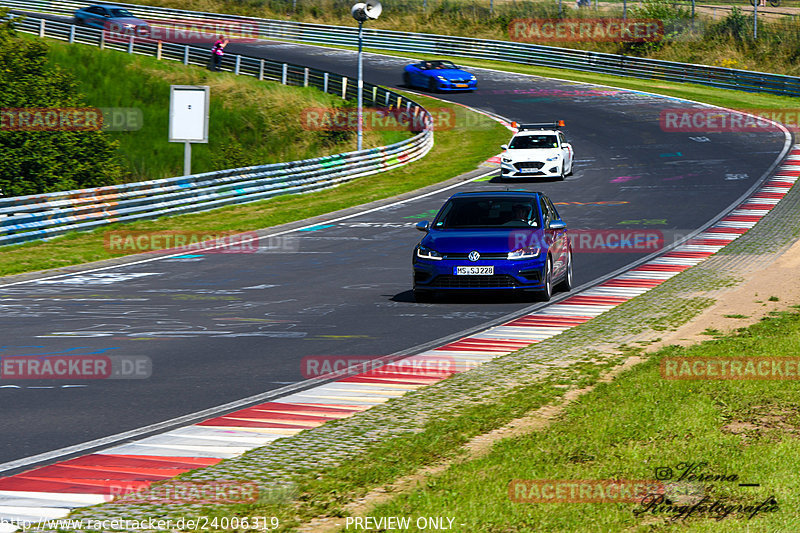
{"x": 537, "y": 150}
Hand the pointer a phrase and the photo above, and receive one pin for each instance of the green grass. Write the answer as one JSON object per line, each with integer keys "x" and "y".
{"x": 251, "y": 122}
{"x": 460, "y": 147}
{"x": 628, "y": 428}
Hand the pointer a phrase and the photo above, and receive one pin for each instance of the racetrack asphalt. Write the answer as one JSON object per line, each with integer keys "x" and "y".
{"x": 219, "y": 327}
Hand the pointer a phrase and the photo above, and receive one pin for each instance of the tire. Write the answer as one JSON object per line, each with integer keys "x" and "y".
{"x": 546, "y": 293}
{"x": 565, "y": 285}
{"x": 775, "y": 3}
{"x": 406, "y": 79}
{"x": 433, "y": 86}
{"x": 422, "y": 296}
{"x": 563, "y": 175}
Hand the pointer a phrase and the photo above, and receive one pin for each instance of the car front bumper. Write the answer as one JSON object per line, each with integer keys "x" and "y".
{"x": 526, "y": 274}
{"x": 550, "y": 169}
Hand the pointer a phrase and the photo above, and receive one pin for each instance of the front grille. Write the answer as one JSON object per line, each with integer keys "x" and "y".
{"x": 486, "y": 257}
{"x": 458, "y": 80}
{"x": 529, "y": 164}
{"x": 450, "y": 281}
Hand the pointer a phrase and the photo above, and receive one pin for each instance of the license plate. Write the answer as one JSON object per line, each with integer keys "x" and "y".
{"x": 473, "y": 270}
{"x": 461, "y": 85}
{"x": 529, "y": 170}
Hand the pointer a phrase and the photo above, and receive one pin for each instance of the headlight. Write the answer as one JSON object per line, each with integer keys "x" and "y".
{"x": 554, "y": 158}
{"x": 472, "y": 78}
{"x": 427, "y": 253}
{"x": 442, "y": 78}
{"x": 525, "y": 253}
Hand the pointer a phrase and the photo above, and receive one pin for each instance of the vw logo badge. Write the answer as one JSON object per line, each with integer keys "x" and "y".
{"x": 474, "y": 256}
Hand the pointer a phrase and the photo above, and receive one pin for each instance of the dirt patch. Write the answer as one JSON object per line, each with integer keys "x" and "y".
{"x": 769, "y": 289}
{"x": 764, "y": 422}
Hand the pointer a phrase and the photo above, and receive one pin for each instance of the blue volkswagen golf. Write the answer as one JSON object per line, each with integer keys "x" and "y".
{"x": 505, "y": 241}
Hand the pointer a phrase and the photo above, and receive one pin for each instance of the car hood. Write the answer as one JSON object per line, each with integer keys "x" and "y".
{"x": 532, "y": 154}
{"x": 463, "y": 241}
{"x": 449, "y": 73}
{"x": 127, "y": 20}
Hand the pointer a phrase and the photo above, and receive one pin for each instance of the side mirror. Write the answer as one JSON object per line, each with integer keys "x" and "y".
{"x": 504, "y": 146}
{"x": 557, "y": 224}
{"x": 423, "y": 226}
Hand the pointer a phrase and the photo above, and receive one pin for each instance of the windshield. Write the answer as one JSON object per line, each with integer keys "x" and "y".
{"x": 487, "y": 213}
{"x": 434, "y": 65}
{"x": 523, "y": 142}
{"x": 121, "y": 13}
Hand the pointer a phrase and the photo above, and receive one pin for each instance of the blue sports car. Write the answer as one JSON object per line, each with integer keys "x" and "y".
{"x": 112, "y": 18}
{"x": 438, "y": 76}
{"x": 510, "y": 241}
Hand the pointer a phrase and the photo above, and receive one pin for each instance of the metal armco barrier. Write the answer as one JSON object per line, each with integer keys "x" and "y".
{"x": 27, "y": 218}
{"x": 528, "y": 54}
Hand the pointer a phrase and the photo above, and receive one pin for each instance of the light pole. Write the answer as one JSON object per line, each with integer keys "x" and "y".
{"x": 362, "y": 12}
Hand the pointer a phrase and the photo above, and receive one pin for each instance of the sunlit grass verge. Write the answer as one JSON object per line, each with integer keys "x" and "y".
{"x": 460, "y": 149}
{"x": 324, "y": 492}
{"x": 251, "y": 122}
{"x": 745, "y": 430}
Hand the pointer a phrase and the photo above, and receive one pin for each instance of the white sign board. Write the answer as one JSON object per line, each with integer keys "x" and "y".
{"x": 188, "y": 113}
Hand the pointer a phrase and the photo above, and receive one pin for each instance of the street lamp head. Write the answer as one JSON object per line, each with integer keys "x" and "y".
{"x": 364, "y": 11}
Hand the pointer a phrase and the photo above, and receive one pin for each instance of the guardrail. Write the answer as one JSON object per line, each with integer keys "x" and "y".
{"x": 26, "y": 218}
{"x": 426, "y": 43}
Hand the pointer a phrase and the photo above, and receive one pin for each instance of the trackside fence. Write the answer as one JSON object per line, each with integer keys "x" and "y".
{"x": 427, "y": 43}
{"x": 27, "y": 218}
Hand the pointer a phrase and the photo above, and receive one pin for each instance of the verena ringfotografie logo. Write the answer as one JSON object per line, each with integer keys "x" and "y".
{"x": 713, "y": 120}
{"x": 594, "y": 241}
{"x": 204, "y": 492}
{"x": 76, "y": 367}
{"x": 430, "y": 367}
{"x": 221, "y": 242}
{"x": 586, "y": 30}
{"x": 727, "y": 368}
{"x": 581, "y": 491}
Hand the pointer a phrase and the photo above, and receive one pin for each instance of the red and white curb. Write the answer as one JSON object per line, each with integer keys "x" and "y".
{"x": 51, "y": 492}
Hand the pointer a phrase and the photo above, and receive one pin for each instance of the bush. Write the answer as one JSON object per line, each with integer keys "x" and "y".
{"x": 735, "y": 26}
{"x": 35, "y": 162}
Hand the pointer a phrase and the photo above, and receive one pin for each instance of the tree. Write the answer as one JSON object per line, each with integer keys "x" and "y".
{"x": 35, "y": 162}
